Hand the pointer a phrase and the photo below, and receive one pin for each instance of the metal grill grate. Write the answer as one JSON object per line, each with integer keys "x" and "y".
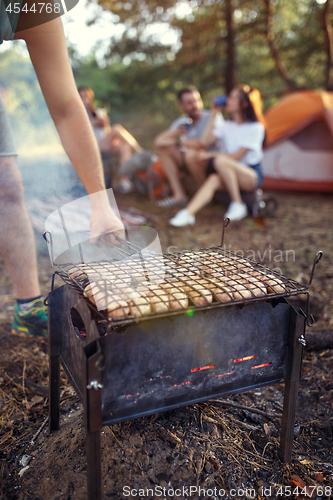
{"x": 136, "y": 288}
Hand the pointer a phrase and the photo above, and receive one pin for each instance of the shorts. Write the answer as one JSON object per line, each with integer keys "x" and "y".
{"x": 7, "y": 146}
{"x": 257, "y": 168}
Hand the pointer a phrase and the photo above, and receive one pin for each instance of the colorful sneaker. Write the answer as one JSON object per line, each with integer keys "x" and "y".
{"x": 32, "y": 321}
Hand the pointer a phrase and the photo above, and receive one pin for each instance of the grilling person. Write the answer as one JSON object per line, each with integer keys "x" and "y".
{"x": 239, "y": 168}
{"x": 45, "y": 41}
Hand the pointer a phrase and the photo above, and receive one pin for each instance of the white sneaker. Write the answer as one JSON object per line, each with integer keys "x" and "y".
{"x": 236, "y": 211}
{"x": 125, "y": 186}
{"x": 182, "y": 218}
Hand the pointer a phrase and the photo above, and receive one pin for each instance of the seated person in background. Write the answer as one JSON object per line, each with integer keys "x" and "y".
{"x": 178, "y": 146}
{"x": 113, "y": 140}
{"x": 239, "y": 167}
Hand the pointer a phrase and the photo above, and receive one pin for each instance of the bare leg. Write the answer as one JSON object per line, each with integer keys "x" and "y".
{"x": 196, "y": 166}
{"x": 17, "y": 245}
{"x": 235, "y": 176}
{"x": 120, "y": 136}
{"x": 205, "y": 194}
{"x": 125, "y": 152}
{"x": 170, "y": 157}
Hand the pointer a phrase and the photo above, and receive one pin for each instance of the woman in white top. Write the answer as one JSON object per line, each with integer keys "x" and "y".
{"x": 238, "y": 168}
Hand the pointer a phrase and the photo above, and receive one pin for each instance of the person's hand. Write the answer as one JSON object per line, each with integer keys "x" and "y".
{"x": 101, "y": 122}
{"x": 215, "y": 109}
{"x": 206, "y": 155}
{"x": 104, "y": 223}
{"x": 181, "y": 130}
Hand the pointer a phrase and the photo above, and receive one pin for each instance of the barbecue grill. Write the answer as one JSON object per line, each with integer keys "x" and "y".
{"x": 237, "y": 336}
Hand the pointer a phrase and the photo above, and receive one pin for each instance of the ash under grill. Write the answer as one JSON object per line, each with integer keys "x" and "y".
{"x": 137, "y": 288}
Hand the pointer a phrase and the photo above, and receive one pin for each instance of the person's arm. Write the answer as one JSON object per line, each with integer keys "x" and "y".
{"x": 238, "y": 155}
{"x": 169, "y": 137}
{"x": 47, "y": 48}
{"x": 208, "y": 136}
{"x": 192, "y": 143}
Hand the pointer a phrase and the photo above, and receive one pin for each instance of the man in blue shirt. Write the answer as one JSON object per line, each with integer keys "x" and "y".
{"x": 178, "y": 145}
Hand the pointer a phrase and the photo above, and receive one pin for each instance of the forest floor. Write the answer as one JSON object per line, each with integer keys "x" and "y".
{"x": 228, "y": 449}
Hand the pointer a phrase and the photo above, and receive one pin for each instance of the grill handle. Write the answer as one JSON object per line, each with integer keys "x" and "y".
{"x": 315, "y": 262}
{"x": 48, "y": 238}
{"x": 310, "y": 321}
{"x": 225, "y": 224}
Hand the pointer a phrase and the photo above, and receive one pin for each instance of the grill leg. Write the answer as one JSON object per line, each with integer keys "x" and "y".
{"x": 94, "y": 472}
{"x": 92, "y": 403}
{"x": 54, "y": 388}
{"x": 293, "y": 373}
{"x": 55, "y": 335}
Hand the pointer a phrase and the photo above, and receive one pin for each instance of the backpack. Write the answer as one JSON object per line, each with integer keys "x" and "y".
{"x": 152, "y": 182}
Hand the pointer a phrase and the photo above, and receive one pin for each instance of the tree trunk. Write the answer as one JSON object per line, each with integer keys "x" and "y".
{"x": 274, "y": 52}
{"x": 329, "y": 45}
{"x": 230, "y": 76}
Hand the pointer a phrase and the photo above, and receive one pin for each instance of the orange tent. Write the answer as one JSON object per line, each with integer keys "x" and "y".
{"x": 299, "y": 143}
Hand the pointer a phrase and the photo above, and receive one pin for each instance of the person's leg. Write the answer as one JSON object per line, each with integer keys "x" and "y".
{"x": 124, "y": 151}
{"x": 203, "y": 196}
{"x": 17, "y": 245}
{"x": 118, "y": 137}
{"x": 196, "y": 166}
{"x": 120, "y": 142}
{"x": 171, "y": 159}
{"x": 235, "y": 176}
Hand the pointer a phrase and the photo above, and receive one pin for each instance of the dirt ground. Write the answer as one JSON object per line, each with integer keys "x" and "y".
{"x": 228, "y": 449}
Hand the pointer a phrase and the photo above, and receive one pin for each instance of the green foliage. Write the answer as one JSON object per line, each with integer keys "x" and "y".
{"x": 24, "y": 101}
{"x": 141, "y": 76}
{"x": 154, "y": 72}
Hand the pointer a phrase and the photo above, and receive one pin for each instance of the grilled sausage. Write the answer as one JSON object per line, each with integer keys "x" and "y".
{"x": 274, "y": 284}
{"x": 197, "y": 291}
{"x": 177, "y": 296}
{"x": 139, "y": 305}
{"x": 76, "y": 273}
{"x": 157, "y": 296}
{"x": 220, "y": 291}
{"x": 257, "y": 288}
{"x": 102, "y": 297}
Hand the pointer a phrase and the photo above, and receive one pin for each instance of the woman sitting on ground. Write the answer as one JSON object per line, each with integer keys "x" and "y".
{"x": 238, "y": 168}
{"x": 115, "y": 140}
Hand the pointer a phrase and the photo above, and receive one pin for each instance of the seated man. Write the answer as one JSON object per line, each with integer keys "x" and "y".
{"x": 178, "y": 145}
{"x": 115, "y": 140}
